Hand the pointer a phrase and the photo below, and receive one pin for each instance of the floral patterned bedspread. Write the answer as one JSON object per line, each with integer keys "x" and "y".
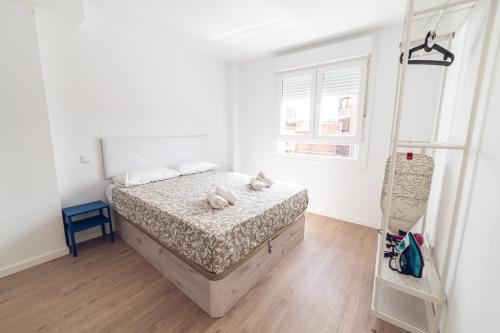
{"x": 175, "y": 212}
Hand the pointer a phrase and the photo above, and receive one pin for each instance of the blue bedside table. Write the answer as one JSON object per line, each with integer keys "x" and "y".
{"x": 70, "y": 226}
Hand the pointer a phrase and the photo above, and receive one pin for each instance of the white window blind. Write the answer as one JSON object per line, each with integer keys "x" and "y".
{"x": 296, "y": 87}
{"x": 343, "y": 81}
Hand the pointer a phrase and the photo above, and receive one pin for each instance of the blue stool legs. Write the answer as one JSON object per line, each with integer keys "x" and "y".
{"x": 111, "y": 226}
{"x": 65, "y": 229}
{"x": 73, "y": 242}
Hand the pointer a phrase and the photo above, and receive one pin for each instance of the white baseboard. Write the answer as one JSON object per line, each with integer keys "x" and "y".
{"x": 80, "y": 237}
{"x": 33, "y": 261}
{"x": 369, "y": 224}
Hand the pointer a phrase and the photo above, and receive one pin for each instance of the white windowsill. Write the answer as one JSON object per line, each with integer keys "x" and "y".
{"x": 358, "y": 163}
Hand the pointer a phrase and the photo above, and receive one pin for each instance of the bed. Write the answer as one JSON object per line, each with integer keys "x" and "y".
{"x": 212, "y": 256}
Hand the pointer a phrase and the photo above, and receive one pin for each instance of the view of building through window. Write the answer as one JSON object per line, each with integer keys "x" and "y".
{"x": 296, "y": 116}
{"x": 337, "y": 113}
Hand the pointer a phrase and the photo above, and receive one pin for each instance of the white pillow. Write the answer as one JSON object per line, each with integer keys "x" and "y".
{"x": 195, "y": 167}
{"x": 144, "y": 176}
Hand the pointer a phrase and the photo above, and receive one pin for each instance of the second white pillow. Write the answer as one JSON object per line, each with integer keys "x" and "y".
{"x": 195, "y": 167}
{"x": 144, "y": 176}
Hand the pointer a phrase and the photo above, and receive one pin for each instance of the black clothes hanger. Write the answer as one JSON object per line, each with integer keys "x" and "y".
{"x": 448, "y": 57}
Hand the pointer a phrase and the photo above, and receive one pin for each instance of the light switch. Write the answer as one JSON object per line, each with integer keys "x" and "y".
{"x": 84, "y": 159}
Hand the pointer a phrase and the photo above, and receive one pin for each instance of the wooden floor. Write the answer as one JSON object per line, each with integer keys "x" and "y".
{"x": 324, "y": 285}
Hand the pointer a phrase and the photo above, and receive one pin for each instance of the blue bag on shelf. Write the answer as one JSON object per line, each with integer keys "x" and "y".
{"x": 409, "y": 259}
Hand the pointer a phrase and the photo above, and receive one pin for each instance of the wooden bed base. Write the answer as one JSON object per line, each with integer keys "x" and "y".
{"x": 214, "y": 295}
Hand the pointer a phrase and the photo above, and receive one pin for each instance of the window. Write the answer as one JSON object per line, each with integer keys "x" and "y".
{"x": 321, "y": 110}
{"x": 297, "y": 105}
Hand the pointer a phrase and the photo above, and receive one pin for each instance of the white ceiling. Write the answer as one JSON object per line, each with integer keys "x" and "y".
{"x": 242, "y": 29}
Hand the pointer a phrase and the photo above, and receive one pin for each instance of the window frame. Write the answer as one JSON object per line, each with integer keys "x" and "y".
{"x": 360, "y": 112}
{"x": 279, "y": 89}
{"x": 314, "y": 122}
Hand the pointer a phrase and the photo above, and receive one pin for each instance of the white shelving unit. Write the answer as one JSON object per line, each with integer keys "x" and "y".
{"x": 427, "y": 288}
{"x": 405, "y": 301}
{"x": 392, "y": 306}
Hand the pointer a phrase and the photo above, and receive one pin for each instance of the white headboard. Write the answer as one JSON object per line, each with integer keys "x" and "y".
{"x": 122, "y": 154}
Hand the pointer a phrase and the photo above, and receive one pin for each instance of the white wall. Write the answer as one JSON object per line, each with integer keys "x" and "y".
{"x": 106, "y": 76}
{"x": 473, "y": 288}
{"x": 31, "y": 229}
{"x": 473, "y": 297}
{"x": 348, "y": 193}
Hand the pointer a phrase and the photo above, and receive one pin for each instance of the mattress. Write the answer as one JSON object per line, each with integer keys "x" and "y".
{"x": 176, "y": 214}
{"x": 109, "y": 193}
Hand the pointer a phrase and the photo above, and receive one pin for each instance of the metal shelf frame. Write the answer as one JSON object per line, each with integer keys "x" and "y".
{"x": 410, "y": 303}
